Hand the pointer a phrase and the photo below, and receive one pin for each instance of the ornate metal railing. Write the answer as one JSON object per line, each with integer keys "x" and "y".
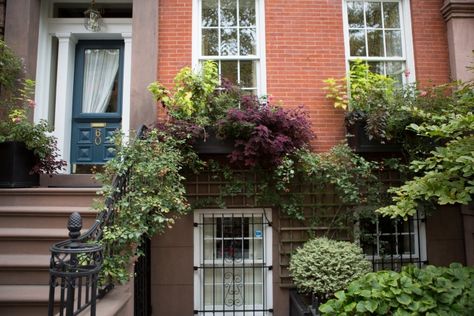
{"x": 76, "y": 263}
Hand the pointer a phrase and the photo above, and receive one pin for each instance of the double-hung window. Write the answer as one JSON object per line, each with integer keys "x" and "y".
{"x": 379, "y": 32}
{"x": 230, "y": 32}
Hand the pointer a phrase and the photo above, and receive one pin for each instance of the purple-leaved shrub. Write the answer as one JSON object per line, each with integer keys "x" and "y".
{"x": 264, "y": 134}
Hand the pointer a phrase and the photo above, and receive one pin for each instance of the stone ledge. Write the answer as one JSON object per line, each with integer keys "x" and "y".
{"x": 457, "y": 9}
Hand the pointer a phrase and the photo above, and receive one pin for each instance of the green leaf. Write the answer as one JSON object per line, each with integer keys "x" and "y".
{"x": 404, "y": 299}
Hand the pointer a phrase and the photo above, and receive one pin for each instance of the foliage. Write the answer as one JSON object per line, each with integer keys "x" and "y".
{"x": 370, "y": 97}
{"x": 352, "y": 176}
{"x": 17, "y": 127}
{"x": 189, "y": 99}
{"x": 265, "y": 134}
{"x": 154, "y": 197}
{"x": 446, "y": 175}
{"x": 11, "y": 69}
{"x": 323, "y": 266}
{"x": 430, "y": 291}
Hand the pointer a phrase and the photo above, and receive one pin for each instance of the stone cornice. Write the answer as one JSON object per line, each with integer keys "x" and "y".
{"x": 457, "y": 9}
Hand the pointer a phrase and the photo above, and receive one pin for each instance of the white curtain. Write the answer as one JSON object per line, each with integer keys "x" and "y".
{"x": 100, "y": 69}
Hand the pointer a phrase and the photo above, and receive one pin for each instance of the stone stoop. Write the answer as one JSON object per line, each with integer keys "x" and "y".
{"x": 118, "y": 302}
{"x": 31, "y": 220}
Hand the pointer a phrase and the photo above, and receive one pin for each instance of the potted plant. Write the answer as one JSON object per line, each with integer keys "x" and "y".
{"x": 373, "y": 105}
{"x": 194, "y": 105}
{"x": 322, "y": 267}
{"x": 27, "y": 149}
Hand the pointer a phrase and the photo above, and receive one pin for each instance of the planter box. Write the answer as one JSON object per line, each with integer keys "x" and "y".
{"x": 213, "y": 145}
{"x": 359, "y": 141}
{"x": 301, "y": 305}
{"x": 16, "y": 164}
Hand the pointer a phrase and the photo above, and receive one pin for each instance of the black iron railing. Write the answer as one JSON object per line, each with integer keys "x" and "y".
{"x": 76, "y": 263}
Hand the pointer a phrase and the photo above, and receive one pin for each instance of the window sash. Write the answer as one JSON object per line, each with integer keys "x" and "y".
{"x": 408, "y": 72}
{"x": 257, "y": 84}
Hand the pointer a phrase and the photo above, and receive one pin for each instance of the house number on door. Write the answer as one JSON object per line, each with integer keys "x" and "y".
{"x": 98, "y": 138}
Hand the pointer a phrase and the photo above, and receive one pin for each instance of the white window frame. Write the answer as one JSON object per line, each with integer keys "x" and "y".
{"x": 407, "y": 40}
{"x": 260, "y": 59}
{"x": 268, "y": 258}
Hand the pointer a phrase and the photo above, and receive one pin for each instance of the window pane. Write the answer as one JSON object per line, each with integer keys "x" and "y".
{"x": 229, "y": 42}
{"x": 375, "y": 42}
{"x": 228, "y": 13}
{"x": 376, "y": 67}
{"x": 355, "y": 14}
{"x": 247, "y": 13}
{"x": 248, "y": 74}
{"x": 393, "y": 42}
{"x": 357, "y": 42}
{"x": 391, "y": 15}
{"x": 209, "y": 13}
{"x": 100, "y": 85}
{"x": 395, "y": 70}
{"x": 248, "y": 42}
{"x": 373, "y": 14}
{"x": 229, "y": 70}
{"x": 210, "y": 42}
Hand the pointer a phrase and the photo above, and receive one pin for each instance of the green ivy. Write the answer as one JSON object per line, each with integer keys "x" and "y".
{"x": 153, "y": 199}
{"x": 430, "y": 291}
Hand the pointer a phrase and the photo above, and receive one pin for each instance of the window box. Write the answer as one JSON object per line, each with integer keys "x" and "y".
{"x": 213, "y": 144}
{"x": 359, "y": 141}
{"x": 17, "y": 165}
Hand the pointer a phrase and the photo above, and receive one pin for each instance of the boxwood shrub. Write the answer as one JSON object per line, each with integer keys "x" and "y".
{"x": 430, "y": 291}
{"x": 323, "y": 266}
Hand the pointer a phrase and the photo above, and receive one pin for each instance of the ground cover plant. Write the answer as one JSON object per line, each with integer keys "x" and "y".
{"x": 430, "y": 291}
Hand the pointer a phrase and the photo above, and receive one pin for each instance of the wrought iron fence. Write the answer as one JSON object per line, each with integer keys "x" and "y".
{"x": 75, "y": 263}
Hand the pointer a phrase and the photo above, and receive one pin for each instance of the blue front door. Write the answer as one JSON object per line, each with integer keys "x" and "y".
{"x": 97, "y": 101}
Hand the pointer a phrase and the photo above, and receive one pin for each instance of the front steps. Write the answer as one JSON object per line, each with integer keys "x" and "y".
{"x": 31, "y": 220}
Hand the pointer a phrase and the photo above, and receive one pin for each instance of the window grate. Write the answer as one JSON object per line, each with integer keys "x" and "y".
{"x": 233, "y": 268}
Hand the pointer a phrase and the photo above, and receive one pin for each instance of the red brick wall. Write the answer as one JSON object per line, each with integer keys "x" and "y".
{"x": 304, "y": 46}
{"x": 430, "y": 42}
{"x": 174, "y": 37}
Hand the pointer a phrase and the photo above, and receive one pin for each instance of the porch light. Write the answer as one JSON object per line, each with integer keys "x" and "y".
{"x": 93, "y": 19}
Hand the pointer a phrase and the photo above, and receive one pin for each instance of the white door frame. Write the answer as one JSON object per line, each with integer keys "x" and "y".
{"x": 56, "y": 89}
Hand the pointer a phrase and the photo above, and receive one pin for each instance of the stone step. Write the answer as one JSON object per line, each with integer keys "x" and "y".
{"x": 31, "y": 241}
{"x": 72, "y": 197}
{"x": 43, "y": 216}
{"x": 24, "y": 300}
{"x": 24, "y": 269}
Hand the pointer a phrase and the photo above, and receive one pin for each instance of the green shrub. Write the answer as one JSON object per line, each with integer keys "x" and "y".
{"x": 434, "y": 291}
{"x": 323, "y": 266}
